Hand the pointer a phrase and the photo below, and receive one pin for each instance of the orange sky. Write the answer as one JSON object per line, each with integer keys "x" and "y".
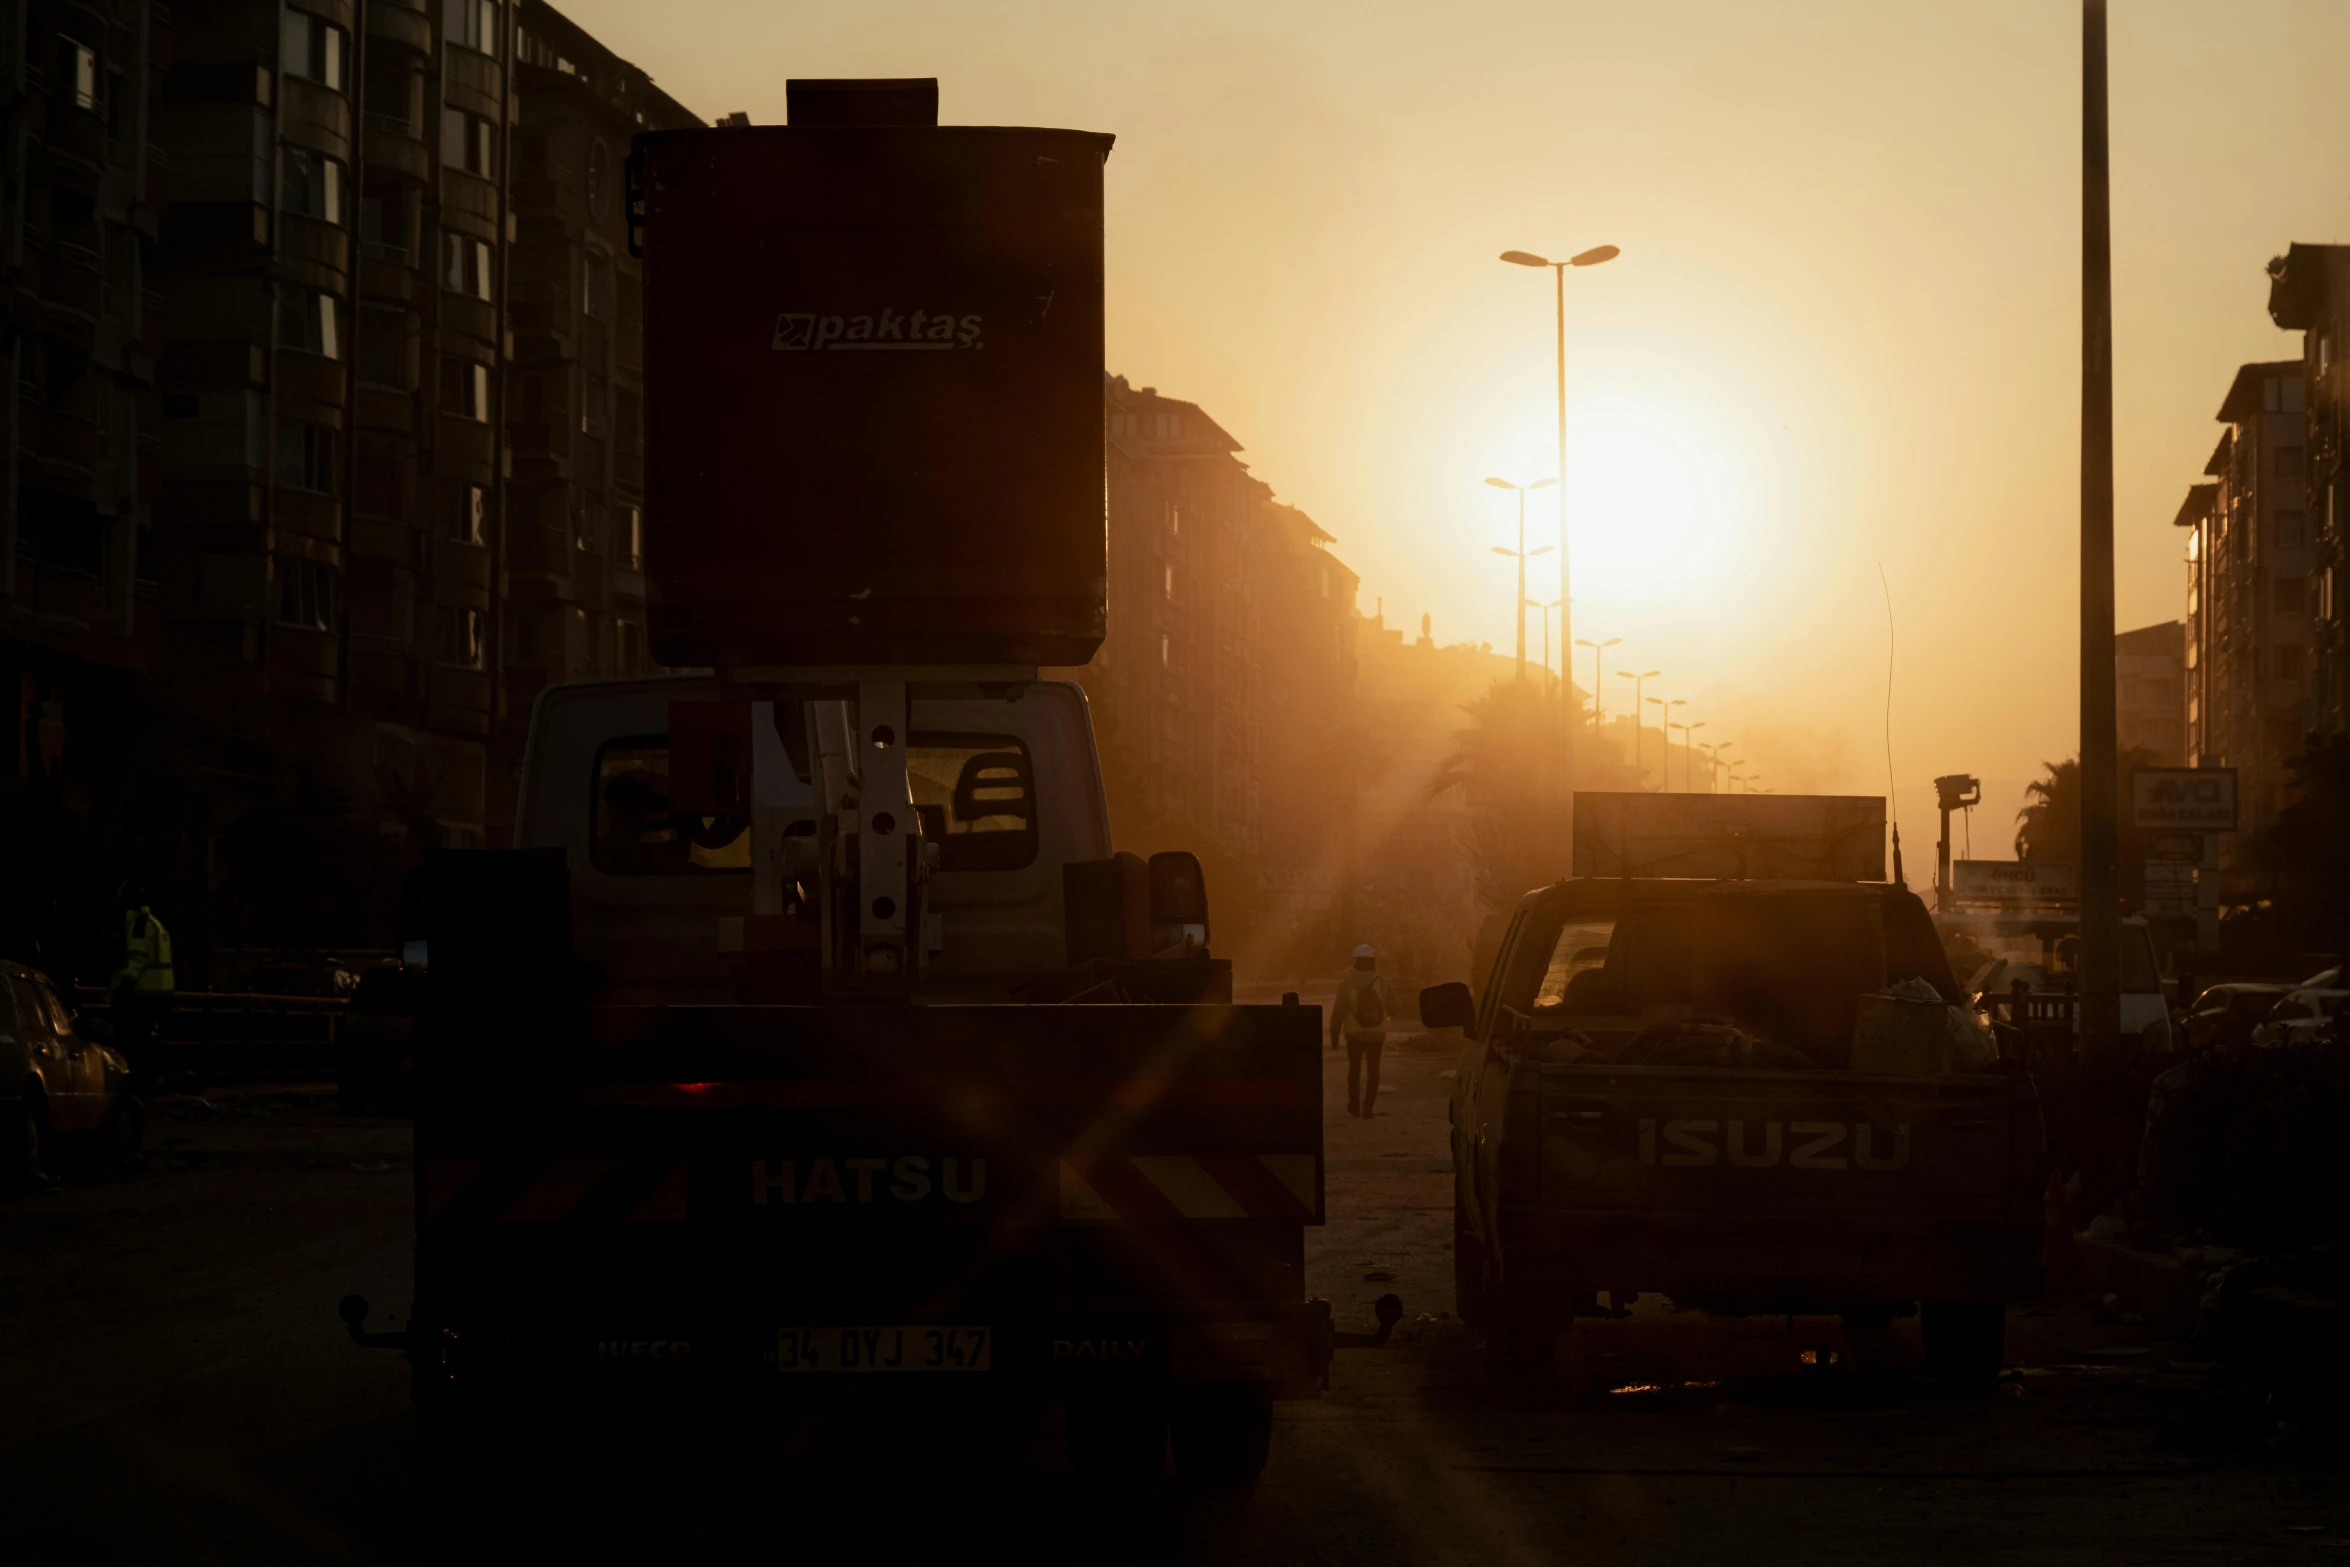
{"x": 1844, "y": 330}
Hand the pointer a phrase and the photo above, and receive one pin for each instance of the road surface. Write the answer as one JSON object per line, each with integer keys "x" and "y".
{"x": 174, "y": 1386}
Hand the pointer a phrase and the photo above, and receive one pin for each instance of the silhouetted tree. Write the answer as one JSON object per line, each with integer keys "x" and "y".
{"x": 2049, "y": 825}
{"x": 1505, "y": 763}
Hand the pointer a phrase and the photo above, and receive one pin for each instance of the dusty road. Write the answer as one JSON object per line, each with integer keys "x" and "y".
{"x": 173, "y": 1386}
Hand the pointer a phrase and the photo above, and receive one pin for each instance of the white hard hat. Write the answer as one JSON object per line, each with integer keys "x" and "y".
{"x": 1364, "y": 951}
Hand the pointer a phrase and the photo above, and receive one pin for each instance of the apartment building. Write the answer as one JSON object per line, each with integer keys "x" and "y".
{"x": 1223, "y": 694}
{"x": 327, "y": 446}
{"x": 2247, "y": 642}
{"x": 2149, "y": 667}
{"x": 2309, "y": 293}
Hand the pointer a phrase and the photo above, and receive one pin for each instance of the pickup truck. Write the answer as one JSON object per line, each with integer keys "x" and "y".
{"x": 668, "y": 1150}
{"x": 1658, "y": 1094}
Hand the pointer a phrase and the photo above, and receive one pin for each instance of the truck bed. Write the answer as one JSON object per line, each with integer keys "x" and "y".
{"x": 1780, "y": 1185}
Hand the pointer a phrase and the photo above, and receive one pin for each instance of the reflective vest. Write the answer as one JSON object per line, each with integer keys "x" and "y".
{"x": 146, "y": 948}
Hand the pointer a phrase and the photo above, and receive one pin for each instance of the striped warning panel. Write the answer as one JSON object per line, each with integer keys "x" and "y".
{"x": 539, "y": 1191}
{"x": 1165, "y": 1188}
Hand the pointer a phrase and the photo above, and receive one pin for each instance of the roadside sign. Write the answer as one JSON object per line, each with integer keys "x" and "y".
{"x": 2175, "y": 848}
{"x": 2170, "y": 888}
{"x": 2014, "y": 884}
{"x": 2183, "y": 799}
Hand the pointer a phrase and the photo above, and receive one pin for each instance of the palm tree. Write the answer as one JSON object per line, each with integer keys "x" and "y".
{"x": 1505, "y": 765}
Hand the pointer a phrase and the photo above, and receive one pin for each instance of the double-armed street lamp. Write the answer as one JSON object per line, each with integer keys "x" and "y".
{"x": 1713, "y": 762}
{"x": 1598, "y": 674}
{"x": 1689, "y": 755}
{"x": 1664, "y": 729}
{"x": 1521, "y": 554}
{"x": 1586, "y": 258}
{"x": 1638, "y": 682}
{"x": 1546, "y": 609}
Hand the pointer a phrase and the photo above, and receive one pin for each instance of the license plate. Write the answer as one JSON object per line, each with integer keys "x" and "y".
{"x": 882, "y": 1349}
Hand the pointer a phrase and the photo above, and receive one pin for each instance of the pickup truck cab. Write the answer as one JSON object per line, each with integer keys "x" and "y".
{"x": 1658, "y": 1093}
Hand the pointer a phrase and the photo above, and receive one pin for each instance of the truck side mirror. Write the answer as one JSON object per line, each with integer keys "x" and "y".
{"x": 1179, "y": 902}
{"x": 1447, "y": 1006}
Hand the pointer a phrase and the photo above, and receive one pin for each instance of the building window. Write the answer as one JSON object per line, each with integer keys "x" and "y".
{"x": 2292, "y": 594}
{"x": 465, "y": 266}
{"x": 313, "y": 185}
{"x": 2291, "y": 534}
{"x": 598, "y": 300}
{"x": 471, "y": 24}
{"x": 306, "y": 456}
{"x": 1166, "y": 651}
{"x": 312, "y": 50}
{"x": 468, "y": 142}
{"x": 383, "y": 217}
{"x": 2289, "y": 462}
{"x": 305, "y": 595}
{"x": 390, "y": 88}
{"x": 1325, "y": 581}
{"x": 468, "y": 514}
{"x": 631, "y": 639}
{"x": 460, "y": 636}
{"x": 633, "y": 520}
{"x": 599, "y": 180}
{"x": 1170, "y": 581}
{"x": 383, "y": 347}
{"x": 465, "y": 388}
{"x": 77, "y": 72}
{"x": 309, "y": 323}
{"x": 1174, "y": 521}
{"x": 2292, "y": 660}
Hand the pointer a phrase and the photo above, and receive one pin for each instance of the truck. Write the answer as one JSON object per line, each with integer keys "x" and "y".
{"x": 1752, "y": 1094}
{"x": 814, "y": 1043}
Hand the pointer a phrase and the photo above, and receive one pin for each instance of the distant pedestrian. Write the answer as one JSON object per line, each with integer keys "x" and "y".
{"x": 143, "y": 986}
{"x": 1359, "y": 1015}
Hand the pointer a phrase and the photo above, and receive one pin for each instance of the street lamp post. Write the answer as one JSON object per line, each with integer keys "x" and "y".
{"x": 1638, "y": 681}
{"x": 1689, "y": 756}
{"x": 1546, "y": 609}
{"x": 1587, "y": 258}
{"x": 1522, "y": 556}
{"x": 1713, "y": 762}
{"x": 1598, "y": 652}
{"x": 1664, "y": 730}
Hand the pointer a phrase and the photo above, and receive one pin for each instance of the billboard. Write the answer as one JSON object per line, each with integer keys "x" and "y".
{"x": 1799, "y": 837}
{"x": 2013, "y": 884}
{"x": 2183, "y": 799}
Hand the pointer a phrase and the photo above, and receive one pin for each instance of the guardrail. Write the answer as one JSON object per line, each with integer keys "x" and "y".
{"x": 210, "y": 1033}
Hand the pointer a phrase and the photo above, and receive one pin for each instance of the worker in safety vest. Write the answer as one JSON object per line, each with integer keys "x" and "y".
{"x": 1365, "y": 1002}
{"x": 144, "y": 982}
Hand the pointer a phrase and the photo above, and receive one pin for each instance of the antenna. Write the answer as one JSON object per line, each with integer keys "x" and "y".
{"x": 1892, "y": 789}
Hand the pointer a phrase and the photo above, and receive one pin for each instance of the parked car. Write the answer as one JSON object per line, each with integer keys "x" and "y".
{"x": 63, "y": 1095}
{"x": 375, "y": 1054}
{"x": 2224, "y": 1016}
{"x": 2301, "y": 1017}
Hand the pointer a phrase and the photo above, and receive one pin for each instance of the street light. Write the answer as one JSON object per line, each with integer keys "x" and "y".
{"x": 1689, "y": 756}
{"x": 1598, "y": 652}
{"x": 1585, "y": 258}
{"x": 1546, "y": 609}
{"x": 1664, "y": 729}
{"x": 1522, "y": 556}
{"x": 1713, "y": 762}
{"x": 1637, "y": 682}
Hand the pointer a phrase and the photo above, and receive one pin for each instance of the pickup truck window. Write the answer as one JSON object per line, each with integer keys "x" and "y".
{"x": 976, "y": 795}
{"x": 1581, "y": 945}
{"x": 636, "y": 834}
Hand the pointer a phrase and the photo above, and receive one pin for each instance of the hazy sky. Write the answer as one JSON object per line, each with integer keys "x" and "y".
{"x": 1843, "y": 333}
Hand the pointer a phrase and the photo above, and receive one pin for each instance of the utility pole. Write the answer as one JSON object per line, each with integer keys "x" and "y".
{"x": 2100, "y": 783}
